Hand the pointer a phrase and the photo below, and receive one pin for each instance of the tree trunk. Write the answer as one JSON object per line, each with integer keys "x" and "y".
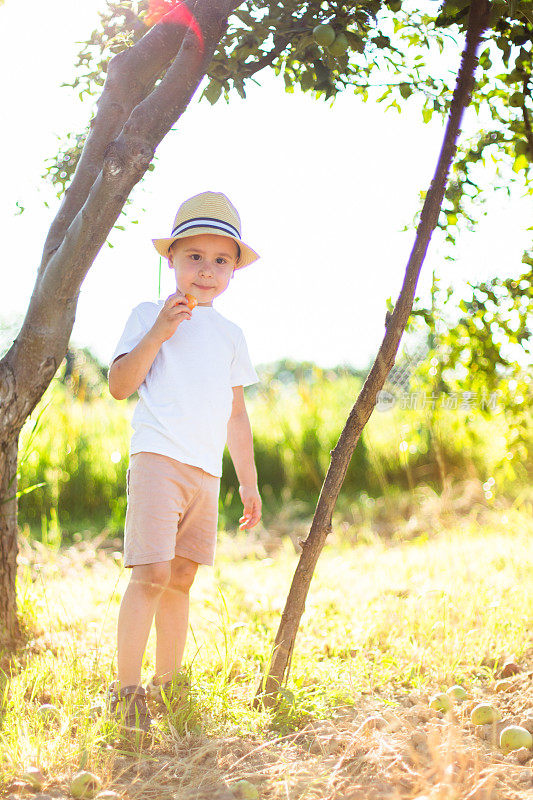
{"x": 10, "y": 631}
{"x": 133, "y": 117}
{"x": 268, "y": 690}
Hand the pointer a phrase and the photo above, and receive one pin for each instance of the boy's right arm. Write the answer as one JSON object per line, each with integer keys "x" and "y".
{"x": 129, "y": 370}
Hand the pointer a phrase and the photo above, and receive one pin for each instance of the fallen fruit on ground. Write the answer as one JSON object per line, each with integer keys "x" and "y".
{"x": 503, "y": 685}
{"x": 324, "y": 34}
{"x": 514, "y": 737}
{"x": 34, "y": 777}
{"x": 509, "y": 668}
{"x": 48, "y": 712}
{"x": 457, "y": 692}
{"x": 441, "y": 702}
{"x": 484, "y": 714}
{"x": 244, "y": 790}
{"x": 85, "y": 784}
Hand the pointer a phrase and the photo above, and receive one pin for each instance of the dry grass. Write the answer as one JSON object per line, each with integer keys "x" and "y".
{"x": 386, "y": 625}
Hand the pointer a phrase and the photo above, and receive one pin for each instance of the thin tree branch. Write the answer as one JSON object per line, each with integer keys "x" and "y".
{"x": 131, "y": 76}
{"x": 360, "y": 413}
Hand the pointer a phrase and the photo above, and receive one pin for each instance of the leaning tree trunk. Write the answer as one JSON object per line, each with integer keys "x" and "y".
{"x": 268, "y": 690}
{"x": 132, "y": 119}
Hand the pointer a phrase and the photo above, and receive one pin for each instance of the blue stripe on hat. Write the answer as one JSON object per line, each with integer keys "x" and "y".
{"x": 206, "y": 222}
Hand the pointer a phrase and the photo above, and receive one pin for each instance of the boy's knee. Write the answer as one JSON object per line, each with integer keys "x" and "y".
{"x": 153, "y": 577}
{"x": 183, "y": 572}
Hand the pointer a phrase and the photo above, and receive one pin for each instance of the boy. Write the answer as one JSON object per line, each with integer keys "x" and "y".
{"x": 190, "y": 367}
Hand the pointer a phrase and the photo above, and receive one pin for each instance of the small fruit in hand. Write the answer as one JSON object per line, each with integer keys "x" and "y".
{"x": 484, "y": 714}
{"x": 514, "y": 737}
{"x": 324, "y": 34}
{"x": 441, "y": 702}
{"x": 85, "y": 784}
{"x": 191, "y": 301}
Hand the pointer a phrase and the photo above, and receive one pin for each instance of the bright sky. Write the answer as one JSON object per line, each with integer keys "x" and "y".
{"x": 322, "y": 192}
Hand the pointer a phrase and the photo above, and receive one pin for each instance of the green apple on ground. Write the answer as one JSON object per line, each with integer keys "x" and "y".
{"x": 441, "y": 702}
{"x": 48, "y": 712}
{"x": 244, "y": 790}
{"x": 85, "y": 784}
{"x": 484, "y": 714}
{"x": 34, "y": 777}
{"x": 514, "y": 737}
{"x": 457, "y": 692}
{"x": 503, "y": 685}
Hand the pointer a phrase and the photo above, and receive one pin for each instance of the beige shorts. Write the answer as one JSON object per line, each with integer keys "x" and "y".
{"x": 172, "y": 511}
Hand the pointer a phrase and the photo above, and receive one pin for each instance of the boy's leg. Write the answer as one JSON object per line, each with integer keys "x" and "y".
{"x": 172, "y": 618}
{"x": 135, "y": 618}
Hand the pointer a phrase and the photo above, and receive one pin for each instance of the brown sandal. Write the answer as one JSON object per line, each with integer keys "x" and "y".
{"x": 128, "y": 706}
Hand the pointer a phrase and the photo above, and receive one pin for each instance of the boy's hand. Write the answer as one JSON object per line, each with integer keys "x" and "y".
{"x": 173, "y": 313}
{"x": 251, "y": 501}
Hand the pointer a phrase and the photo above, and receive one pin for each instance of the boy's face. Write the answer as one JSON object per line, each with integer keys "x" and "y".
{"x": 203, "y": 265}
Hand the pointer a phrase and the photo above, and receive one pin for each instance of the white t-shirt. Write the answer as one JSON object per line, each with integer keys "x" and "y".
{"x": 186, "y": 398}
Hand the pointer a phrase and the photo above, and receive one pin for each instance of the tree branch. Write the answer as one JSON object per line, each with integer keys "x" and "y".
{"x": 42, "y": 342}
{"x": 360, "y": 413}
{"x": 131, "y": 75}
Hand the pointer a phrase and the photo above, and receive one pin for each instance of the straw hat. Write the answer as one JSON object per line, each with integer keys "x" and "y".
{"x": 208, "y": 212}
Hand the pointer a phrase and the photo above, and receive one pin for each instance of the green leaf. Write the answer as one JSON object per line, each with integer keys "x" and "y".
{"x": 213, "y": 92}
{"x": 520, "y": 162}
{"x": 288, "y": 83}
{"x": 307, "y": 80}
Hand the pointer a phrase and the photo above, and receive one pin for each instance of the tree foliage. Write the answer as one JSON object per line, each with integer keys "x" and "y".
{"x": 384, "y": 50}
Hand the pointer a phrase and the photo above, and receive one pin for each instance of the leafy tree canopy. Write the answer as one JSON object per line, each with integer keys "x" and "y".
{"x": 384, "y": 50}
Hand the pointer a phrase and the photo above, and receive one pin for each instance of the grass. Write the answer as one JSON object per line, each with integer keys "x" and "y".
{"x": 390, "y": 620}
{"x": 76, "y": 452}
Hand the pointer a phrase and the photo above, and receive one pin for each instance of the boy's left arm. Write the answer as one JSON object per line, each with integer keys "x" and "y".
{"x": 241, "y": 449}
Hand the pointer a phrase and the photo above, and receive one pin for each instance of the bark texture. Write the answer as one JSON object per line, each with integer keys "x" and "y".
{"x": 10, "y": 632}
{"x": 268, "y": 691}
{"x": 133, "y": 117}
